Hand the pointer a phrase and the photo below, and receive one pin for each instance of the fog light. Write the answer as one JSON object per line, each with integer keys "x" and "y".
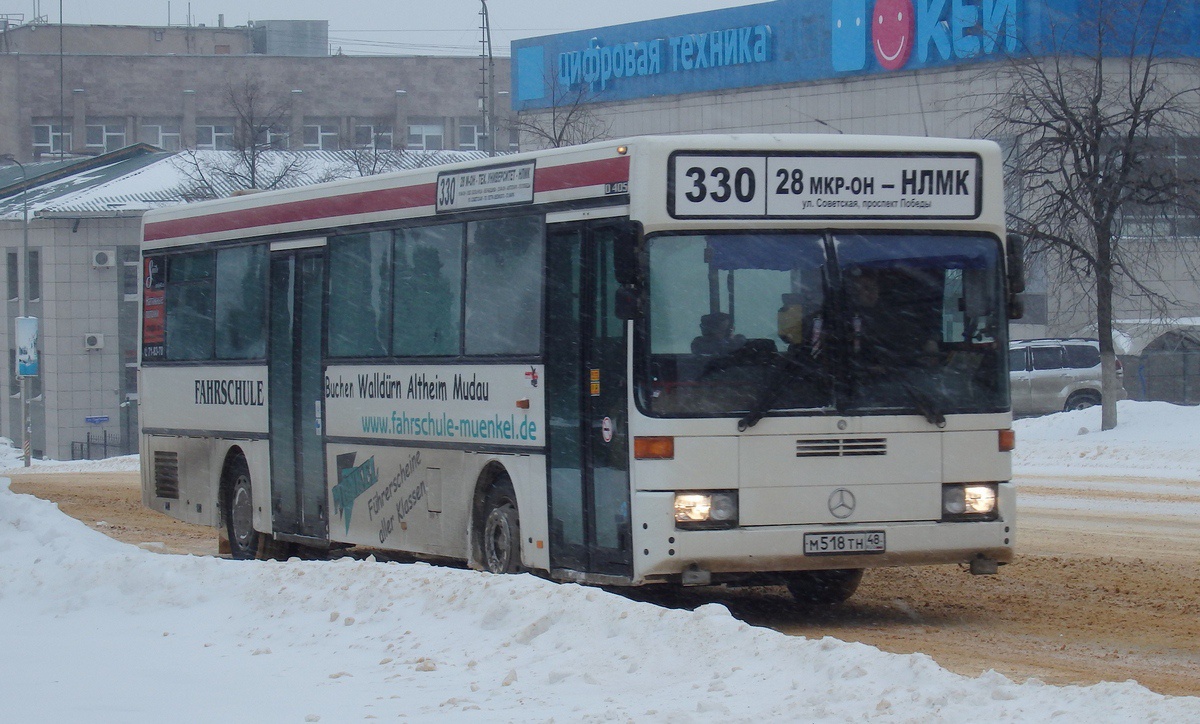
{"x": 969, "y": 502}
{"x": 708, "y": 510}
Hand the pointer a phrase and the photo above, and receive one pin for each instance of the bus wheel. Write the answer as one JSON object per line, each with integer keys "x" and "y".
{"x": 501, "y": 529}
{"x": 824, "y": 588}
{"x": 239, "y": 516}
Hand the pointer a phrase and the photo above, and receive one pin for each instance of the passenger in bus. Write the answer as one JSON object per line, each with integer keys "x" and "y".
{"x": 716, "y": 335}
{"x": 802, "y": 333}
{"x": 883, "y": 338}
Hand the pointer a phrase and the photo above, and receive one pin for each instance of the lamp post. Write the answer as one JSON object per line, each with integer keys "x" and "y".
{"x": 488, "y": 99}
{"x": 26, "y": 424}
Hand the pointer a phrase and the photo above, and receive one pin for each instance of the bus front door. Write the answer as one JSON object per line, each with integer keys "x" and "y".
{"x": 586, "y": 403}
{"x": 298, "y": 506}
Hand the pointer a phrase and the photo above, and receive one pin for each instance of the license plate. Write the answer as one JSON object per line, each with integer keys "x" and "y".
{"x": 840, "y": 544}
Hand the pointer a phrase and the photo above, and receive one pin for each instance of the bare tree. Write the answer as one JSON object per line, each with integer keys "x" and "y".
{"x": 1089, "y": 115}
{"x": 370, "y": 157}
{"x": 258, "y": 157}
{"x": 569, "y": 120}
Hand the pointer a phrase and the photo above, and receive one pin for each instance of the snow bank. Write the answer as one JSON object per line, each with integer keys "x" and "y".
{"x": 11, "y": 462}
{"x": 96, "y": 630}
{"x": 1152, "y": 439}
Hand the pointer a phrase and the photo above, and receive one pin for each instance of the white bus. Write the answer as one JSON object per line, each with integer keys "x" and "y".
{"x": 738, "y": 359}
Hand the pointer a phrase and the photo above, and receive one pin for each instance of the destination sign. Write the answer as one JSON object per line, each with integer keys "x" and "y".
{"x": 830, "y": 186}
{"x": 482, "y": 188}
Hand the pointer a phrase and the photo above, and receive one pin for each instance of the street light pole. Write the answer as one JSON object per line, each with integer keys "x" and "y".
{"x": 489, "y": 79}
{"x": 26, "y": 423}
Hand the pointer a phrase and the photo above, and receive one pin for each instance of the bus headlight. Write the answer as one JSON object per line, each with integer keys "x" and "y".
{"x": 969, "y": 502}
{"x": 707, "y": 510}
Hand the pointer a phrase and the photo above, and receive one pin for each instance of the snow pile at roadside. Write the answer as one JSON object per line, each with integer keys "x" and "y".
{"x": 1151, "y": 440}
{"x": 99, "y": 631}
{"x": 12, "y": 463}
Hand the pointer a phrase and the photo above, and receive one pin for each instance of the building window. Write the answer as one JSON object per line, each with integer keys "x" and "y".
{"x": 34, "y": 280}
{"x": 279, "y": 138}
{"x": 470, "y": 136}
{"x": 321, "y": 136}
{"x": 105, "y": 137}
{"x": 50, "y": 138}
{"x": 375, "y": 137}
{"x": 426, "y": 137}
{"x": 514, "y": 140}
{"x": 214, "y": 136}
{"x": 131, "y": 280}
{"x": 164, "y": 134}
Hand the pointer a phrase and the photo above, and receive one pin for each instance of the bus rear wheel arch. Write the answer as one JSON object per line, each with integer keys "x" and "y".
{"x": 498, "y": 524}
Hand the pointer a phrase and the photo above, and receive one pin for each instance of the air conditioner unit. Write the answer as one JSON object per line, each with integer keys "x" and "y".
{"x": 104, "y": 259}
{"x": 93, "y": 340}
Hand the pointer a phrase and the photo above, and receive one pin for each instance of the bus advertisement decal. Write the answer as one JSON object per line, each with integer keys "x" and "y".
{"x": 488, "y": 404}
{"x": 389, "y": 501}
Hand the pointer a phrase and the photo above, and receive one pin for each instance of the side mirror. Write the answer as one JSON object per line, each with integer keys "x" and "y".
{"x": 1016, "y": 263}
{"x": 1015, "y": 259}
{"x": 626, "y": 248}
{"x": 626, "y": 305}
{"x": 1016, "y": 307}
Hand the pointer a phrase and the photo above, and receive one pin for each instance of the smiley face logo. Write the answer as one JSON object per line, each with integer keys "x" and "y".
{"x": 892, "y": 32}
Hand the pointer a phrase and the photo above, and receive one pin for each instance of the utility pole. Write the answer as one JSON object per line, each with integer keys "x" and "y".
{"x": 487, "y": 69}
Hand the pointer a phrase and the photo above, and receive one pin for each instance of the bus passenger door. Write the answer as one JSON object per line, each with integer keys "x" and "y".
{"x": 296, "y": 395}
{"x": 586, "y": 403}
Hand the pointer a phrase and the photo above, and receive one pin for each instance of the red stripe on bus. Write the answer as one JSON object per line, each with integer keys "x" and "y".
{"x": 575, "y": 175}
{"x": 554, "y": 178}
{"x": 309, "y": 210}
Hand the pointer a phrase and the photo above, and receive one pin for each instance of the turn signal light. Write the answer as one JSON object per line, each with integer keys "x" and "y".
{"x": 654, "y": 448}
{"x": 1008, "y": 440}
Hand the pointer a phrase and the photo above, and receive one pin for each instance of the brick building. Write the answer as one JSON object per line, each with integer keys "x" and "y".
{"x": 113, "y": 86}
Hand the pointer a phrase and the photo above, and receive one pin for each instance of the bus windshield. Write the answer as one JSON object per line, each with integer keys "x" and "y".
{"x": 805, "y": 323}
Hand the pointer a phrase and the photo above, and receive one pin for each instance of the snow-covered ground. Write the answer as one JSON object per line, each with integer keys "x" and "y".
{"x": 98, "y": 631}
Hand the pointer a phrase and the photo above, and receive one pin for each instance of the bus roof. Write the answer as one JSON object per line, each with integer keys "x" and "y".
{"x": 592, "y": 174}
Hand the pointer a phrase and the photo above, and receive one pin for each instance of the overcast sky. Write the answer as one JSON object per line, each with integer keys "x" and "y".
{"x": 387, "y": 27}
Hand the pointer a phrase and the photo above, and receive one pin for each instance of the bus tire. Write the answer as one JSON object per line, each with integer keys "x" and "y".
{"x": 501, "y": 529}
{"x": 239, "y": 512}
{"x": 814, "y": 589}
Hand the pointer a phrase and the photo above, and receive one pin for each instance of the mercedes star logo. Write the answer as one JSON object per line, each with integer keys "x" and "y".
{"x": 841, "y": 503}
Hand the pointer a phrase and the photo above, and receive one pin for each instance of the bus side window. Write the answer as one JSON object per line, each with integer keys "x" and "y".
{"x": 189, "y": 306}
{"x": 427, "y": 319}
{"x": 241, "y": 303}
{"x": 504, "y": 288}
{"x": 360, "y": 295}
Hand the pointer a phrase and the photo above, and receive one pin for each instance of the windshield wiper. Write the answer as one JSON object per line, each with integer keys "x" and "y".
{"x": 925, "y": 404}
{"x": 785, "y": 371}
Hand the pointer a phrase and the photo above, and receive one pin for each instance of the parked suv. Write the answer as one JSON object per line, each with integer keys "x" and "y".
{"x": 1052, "y": 375}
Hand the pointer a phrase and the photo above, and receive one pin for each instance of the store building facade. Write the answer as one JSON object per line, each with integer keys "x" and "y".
{"x": 902, "y": 67}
